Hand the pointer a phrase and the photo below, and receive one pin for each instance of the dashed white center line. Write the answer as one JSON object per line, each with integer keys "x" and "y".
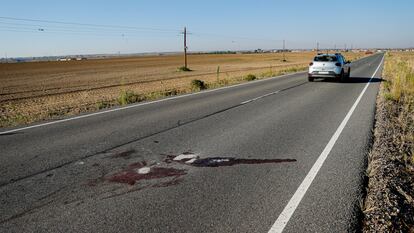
{"x": 260, "y": 97}
{"x": 145, "y": 103}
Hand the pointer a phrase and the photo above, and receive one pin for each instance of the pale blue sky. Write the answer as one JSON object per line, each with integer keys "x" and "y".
{"x": 215, "y": 25}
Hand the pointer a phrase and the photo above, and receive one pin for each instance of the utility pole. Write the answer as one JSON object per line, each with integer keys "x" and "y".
{"x": 335, "y": 48}
{"x": 284, "y": 59}
{"x": 317, "y": 47}
{"x": 345, "y": 47}
{"x": 185, "y": 47}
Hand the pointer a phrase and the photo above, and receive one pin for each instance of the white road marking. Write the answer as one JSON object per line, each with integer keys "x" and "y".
{"x": 185, "y": 156}
{"x": 293, "y": 203}
{"x": 142, "y": 104}
{"x": 245, "y": 102}
{"x": 144, "y": 170}
{"x": 191, "y": 161}
{"x": 260, "y": 97}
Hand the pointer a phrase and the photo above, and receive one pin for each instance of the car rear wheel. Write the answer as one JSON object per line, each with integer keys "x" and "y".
{"x": 341, "y": 77}
{"x": 310, "y": 79}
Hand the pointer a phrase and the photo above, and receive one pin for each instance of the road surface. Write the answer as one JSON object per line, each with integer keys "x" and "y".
{"x": 266, "y": 156}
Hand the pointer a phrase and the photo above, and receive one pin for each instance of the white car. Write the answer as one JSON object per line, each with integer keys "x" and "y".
{"x": 329, "y": 66}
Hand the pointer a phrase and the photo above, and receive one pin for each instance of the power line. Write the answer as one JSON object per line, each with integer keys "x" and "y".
{"x": 39, "y": 27}
{"x": 96, "y": 34}
{"x": 102, "y": 27}
{"x": 86, "y": 31}
{"x": 80, "y": 29}
{"x": 88, "y": 24}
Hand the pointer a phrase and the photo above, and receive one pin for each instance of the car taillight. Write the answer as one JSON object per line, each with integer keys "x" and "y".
{"x": 338, "y": 64}
{"x": 310, "y": 64}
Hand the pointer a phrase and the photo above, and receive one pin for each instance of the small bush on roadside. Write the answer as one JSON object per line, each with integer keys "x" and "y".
{"x": 128, "y": 97}
{"x": 250, "y": 77}
{"x": 183, "y": 68}
{"x": 223, "y": 82}
{"x": 102, "y": 104}
{"x": 198, "y": 84}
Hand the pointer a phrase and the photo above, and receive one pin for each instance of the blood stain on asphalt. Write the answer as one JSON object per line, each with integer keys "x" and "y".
{"x": 131, "y": 176}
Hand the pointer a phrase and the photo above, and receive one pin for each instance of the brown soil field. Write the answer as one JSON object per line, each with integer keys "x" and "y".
{"x": 35, "y": 91}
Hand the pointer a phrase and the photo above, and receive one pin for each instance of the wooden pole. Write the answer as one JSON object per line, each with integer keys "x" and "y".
{"x": 317, "y": 47}
{"x": 185, "y": 47}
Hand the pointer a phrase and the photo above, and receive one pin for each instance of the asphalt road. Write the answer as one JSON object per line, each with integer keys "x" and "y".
{"x": 255, "y": 144}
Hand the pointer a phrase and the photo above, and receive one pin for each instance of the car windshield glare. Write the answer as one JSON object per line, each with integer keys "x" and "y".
{"x": 326, "y": 58}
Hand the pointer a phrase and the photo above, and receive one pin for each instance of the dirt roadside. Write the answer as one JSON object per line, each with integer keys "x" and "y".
{"x": 389, "y": 205}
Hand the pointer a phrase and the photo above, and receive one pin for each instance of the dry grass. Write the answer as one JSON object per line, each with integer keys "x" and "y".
{"x": 389, "y": 203}
{"x": 399, "y": 90}
{"x": 45, "y": 90}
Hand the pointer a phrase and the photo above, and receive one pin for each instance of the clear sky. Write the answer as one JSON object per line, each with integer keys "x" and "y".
{"x": 214, "y": 24}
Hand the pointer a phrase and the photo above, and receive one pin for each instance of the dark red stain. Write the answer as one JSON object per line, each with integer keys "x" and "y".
{"x": 123, "y": 154}
{"x": 132, "y": 166}
{"x": 131, "y": 176}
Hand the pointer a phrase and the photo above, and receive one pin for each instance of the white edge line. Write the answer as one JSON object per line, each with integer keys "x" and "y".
{"x": 293, "y": 203}
{"x": 146, "y": 103}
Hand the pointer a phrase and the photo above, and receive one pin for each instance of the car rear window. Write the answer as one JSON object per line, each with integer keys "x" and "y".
{"x": 325, "y": 58}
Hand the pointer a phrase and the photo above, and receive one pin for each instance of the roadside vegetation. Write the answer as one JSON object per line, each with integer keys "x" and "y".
{"x": 184, "y": 69}
{"x": 250, "y": 77}
{"x": 389, "y": 204}
{"x": 51, "y": 90}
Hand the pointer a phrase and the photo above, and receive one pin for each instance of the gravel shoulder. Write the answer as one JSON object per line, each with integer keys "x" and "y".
{"x": 389, "y": 204}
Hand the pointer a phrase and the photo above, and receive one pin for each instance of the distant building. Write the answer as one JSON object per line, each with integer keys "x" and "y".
{"x": 282, "y": 51}
{"x": 71, "y": 59}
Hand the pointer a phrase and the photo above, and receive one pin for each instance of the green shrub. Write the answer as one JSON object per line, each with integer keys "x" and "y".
{"x": 102, "y": 104}
{"x": 128, "y": 97}
{"x": 183, "y": 68}
{"x": 171, "y": 92}
{"x": 250, "y": 77}
{"x": 198, "y": 85}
